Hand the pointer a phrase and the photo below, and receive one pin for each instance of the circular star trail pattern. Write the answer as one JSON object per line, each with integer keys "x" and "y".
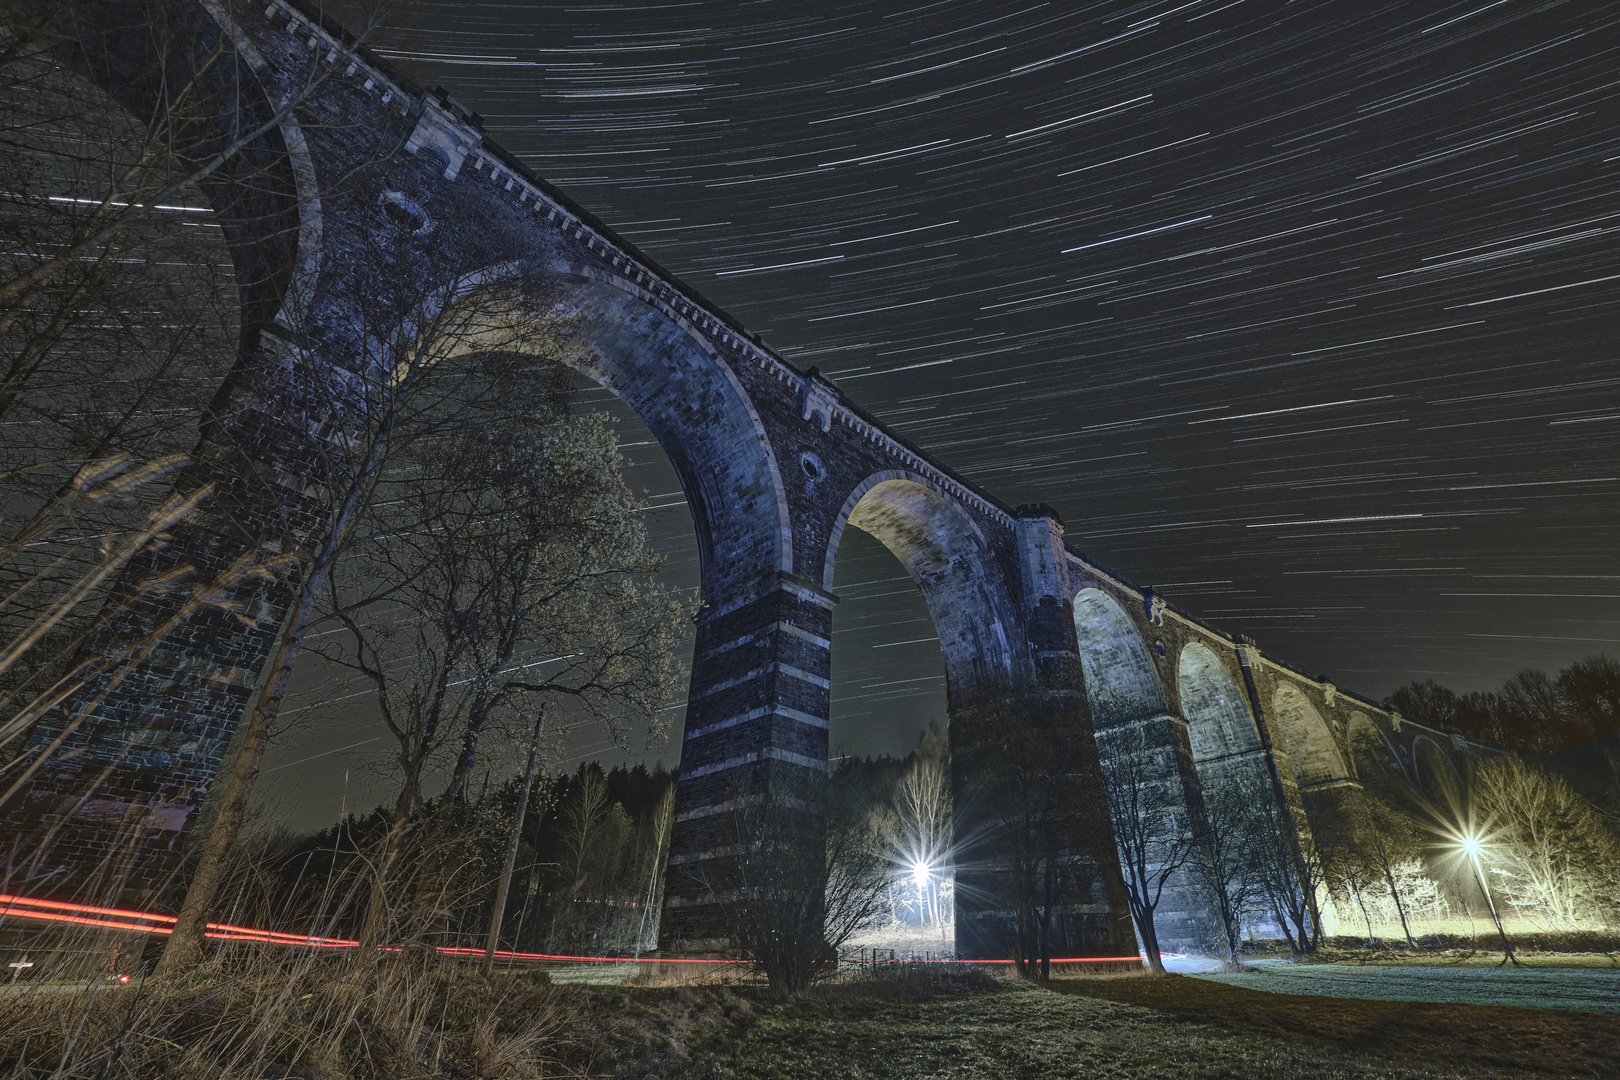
{"x": 1304, "y": 313}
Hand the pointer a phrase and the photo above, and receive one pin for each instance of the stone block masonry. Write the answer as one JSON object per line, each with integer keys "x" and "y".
{"x": 370, "y": 172}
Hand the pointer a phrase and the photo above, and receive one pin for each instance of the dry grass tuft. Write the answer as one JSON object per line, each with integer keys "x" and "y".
{"x": 292, "y": 1016}
{"x": 313, "y": 1018}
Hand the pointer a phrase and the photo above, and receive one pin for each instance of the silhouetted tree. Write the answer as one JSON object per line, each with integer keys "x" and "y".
{"x": 1533, "y": 711}
{"x": 1153, "y": 827}
{"x": 506, "y": 568}
{"x": 1223, "y": 864}
{"x": 797, "y": 885}
{"x": 922, "y": 803}
{"x": 1032, "y": 821}
{"x": 1380, "y": 846}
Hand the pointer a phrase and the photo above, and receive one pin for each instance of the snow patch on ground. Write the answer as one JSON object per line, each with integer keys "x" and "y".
{"x": 1581, "y": 989}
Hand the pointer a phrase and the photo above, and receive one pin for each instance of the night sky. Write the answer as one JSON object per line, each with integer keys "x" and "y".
{"x": 1306, "y": 313}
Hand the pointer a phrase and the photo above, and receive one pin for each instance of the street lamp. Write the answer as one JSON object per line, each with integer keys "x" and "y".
{"x": 1472, "y": 846}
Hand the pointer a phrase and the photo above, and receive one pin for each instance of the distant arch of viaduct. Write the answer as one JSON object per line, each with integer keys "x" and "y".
{"x": 776, "y": 462}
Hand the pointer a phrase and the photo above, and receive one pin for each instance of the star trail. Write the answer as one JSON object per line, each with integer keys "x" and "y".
{"x": 1303, "y": 313}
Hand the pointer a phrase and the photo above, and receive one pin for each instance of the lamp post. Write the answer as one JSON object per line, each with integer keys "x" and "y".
{"x": 1472, "y": 846}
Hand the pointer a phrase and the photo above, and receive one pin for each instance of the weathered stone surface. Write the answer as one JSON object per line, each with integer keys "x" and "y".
{"x": 372, "y": 174}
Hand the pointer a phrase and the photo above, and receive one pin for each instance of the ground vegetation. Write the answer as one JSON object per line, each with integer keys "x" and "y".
{"x": 586, "y": 879}
{"x": 798, "y": 884}
{"x": 251, "y": 1015}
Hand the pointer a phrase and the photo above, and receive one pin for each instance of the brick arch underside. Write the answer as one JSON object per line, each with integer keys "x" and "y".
{"x": 1436, "y": 774}
{"x": 1375, "y": 763}
{"x": 144, "y": 55}
{"x": 1121, "y": 684}
{"x": 700, "y": 415}
{"x": 1305, "y": 738}
{"x": 1220, "y": 727}
{"x": 949, "y": 560}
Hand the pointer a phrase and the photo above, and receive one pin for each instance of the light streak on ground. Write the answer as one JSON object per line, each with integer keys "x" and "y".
{"x": 141, "y": 922}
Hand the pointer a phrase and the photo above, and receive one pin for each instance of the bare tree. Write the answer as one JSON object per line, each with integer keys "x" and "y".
{"x": 594, "y": 831}
{"x": 1032, "y": 826}
{"x": 1546, "y": 847}
{"x": 1153, "y": 827}
{"x": 1289, "y": 871}
{"x": 797, "y": 885}
{"x": 1533, "y": 711}
{"x": 922, "y": 802}
{"x": 498, "y": 913}
{"x": 1382, "y": 841}
{"x": 1223, "y": 862}
{"x": 128, "y": 150}
{"x": 402, "y": 392}
{"x": 652, "y": 853}
{"x": 199, "y": 131}
{"x": 508, "y": 570}
{"x": 105, "y": 368}
{"x": 1591, "y": 689}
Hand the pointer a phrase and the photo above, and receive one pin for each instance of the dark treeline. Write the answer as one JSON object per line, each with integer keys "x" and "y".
{"x": 1533, "y": 711}
{"x": 588, "y": 877}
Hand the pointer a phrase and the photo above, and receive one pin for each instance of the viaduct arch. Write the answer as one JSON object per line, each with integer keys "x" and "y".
{"x": 775, "y": 460}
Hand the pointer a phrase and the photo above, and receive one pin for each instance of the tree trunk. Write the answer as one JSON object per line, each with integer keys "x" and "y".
{"x": 1150, "y": 938}
{"x": 498, "y": 914}
{"x": 374, "y": 928}
{"x": 1400, "y": 909}
{"x": 185, "y": 945}
{"x": 1372, "y": 939}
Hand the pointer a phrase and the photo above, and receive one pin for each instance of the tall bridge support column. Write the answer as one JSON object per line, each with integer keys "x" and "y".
{"x": 116, "y": 773}
{"x": 1016, "y": 736}
{"x": 756, "y": 717}
{"x": 1182, "y": 921}
{"x": 1290, "y": 808}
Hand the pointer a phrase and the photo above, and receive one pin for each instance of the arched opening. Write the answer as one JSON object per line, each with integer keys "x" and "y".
{"x": 1121, "y": 685}
{"x": 690, "y": 442}
{"x": 906, "y": 651}
{"x": 687, "y": 398}
{"x": 947, "y": 558}
{"x": 1375, "y": 764}
{"x": 1306, "y": 740}
{"x": 888, "y": 671}
{"x": 673, "y": 533}
{"x": 1219, "y": 724}
{"x": 1435, "y": 774}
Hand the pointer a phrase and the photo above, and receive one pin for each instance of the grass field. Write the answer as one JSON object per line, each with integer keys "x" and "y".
{"x": 295, "y": 1016}
{"x": 1134, "y": 1028}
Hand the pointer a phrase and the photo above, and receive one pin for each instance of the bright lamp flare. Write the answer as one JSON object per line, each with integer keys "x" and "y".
{"x": 1473, "y": 847}
{"x": 919, "y": 875}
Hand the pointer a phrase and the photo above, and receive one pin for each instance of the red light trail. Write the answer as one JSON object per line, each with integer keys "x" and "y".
{"x": 141, "y": 922}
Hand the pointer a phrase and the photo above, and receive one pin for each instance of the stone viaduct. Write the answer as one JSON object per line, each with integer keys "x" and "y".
{"x": 776, "y": 462}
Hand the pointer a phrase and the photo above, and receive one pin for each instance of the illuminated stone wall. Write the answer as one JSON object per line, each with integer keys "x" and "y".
{"x": 776, "y": 462}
